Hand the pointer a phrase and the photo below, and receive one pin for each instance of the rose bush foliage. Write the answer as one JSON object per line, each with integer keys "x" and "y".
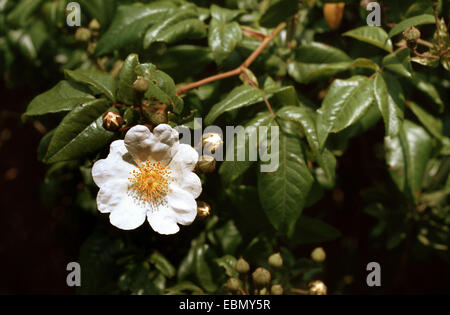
{"x": 324, "y": 81}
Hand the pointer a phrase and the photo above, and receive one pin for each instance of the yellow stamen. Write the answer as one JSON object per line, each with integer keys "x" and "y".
{"x": 151, "y": 181}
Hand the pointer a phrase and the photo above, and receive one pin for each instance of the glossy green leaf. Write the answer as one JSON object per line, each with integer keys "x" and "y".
{"x": 187, "y": 29}
{"x": 345, "y": 103}
{"x": 407, "y": 156}
{"x": 228, "y": 262}
{"x": 22, "y": 12}
{"x": 278, "y": 11}
{"x": 162, "y": 264}
{"x": 390, "y": 101}
{"x": 100, "y": 82}
{"x": 421, "y": 82}
{"x": 365, "y": 63}
{"x": 229, "y": 237}
{"x": 203, "y": 270}
{"x": 373, "y": 35}
{"x": 161, "y": 86}
{"x": 312, "y": 231}
{"x": 130, "y": 24}
{"x": 102, "y": 10}
{"x": 399, "y": 62}
{"x": 315, "y": 61}
{"x": 413, "y": 21}
{"x": 432, "y": 124}
{"x": 283, "y": 192}
{"x": 232, "y": 169}
{"x": 127, "y": 76}
{"x": 80, "y": 133}
{"x": 61, "y": 98}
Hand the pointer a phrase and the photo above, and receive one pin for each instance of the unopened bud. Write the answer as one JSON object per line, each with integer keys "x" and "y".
{"x": 317, "y": 288}
{"x": 263, "y": 291}
{"x": 158, "y": 118}
{"x": 206, "y": 164}
{"x": 94, "y": 25}
{"x": 203, "y": 209}
{"x": 242, "y": 266}
{"x": 411, "y": 35}
{"x": 233, "y": 284}
{"x": 140, "y": 85}
{"x": 261, "y": 277}
{"x": 112, "y": 121}
{"x": 82, "y": 34}
{"x": 318, "y": 255}
{"x": 276, "y": 289}
{"x": 212, "y": 141}
{"x": 275, "y": 260}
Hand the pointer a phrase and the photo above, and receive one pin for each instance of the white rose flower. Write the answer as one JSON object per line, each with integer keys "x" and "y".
{"x": 148, "y": 175}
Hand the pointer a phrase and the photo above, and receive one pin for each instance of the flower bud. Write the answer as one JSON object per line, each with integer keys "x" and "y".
{"x": 263, "y": 291}
{"x": 318, "y": 255}
{"x": 94, "y": 25}
{"x": 140, "y": 85}
{"x": 112, "y": 121}
{"x": 233, "y": 284}
{"x": 275, "y": 260}
{"x": 333, "y": 13}
{"x": 212, "y": 141}
{"x": 158, "y": 118}
{"x": 242, "y": 266}
{"x": 82, "y": 34}
{"x": 411, "y": 35}
{"x": 276, "y": 289}
{"x": 317, "y": 288}
{"x": 206, "y": 164}
{"x": 203, "y": 209}
{"x": 261, "y": 277}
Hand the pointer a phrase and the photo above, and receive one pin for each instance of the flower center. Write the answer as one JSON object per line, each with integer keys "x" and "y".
{"x": 151, "y": 181}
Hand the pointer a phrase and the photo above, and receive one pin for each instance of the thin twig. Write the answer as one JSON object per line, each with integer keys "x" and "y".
{"x": 239, "y": 69}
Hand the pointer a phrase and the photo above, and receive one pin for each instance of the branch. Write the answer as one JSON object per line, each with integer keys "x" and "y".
{"x": 239, "y": 69}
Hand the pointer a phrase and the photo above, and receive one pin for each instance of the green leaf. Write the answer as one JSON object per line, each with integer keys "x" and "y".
{"x": 312, "y": 231}
{"x": 232, "y": 169}
{"x": 283, "y": 192}
{"x": 414, "y": 21}
{"x": 421, "y": 82}
{"x": 102, "y": 10}
{"x": 326, "y": 173}
{"x": 390, "y": 101}
{"x": 187, "y": 29}
{"x": 229, "y": 237}
{"x": 315, "y": 61}
{"x": 345, "y": 103}
{"x": 168, "y": 27}
{"x": 432, "y": 124}
{"x": 365, "y": 63}
{"x": 228, "y": 262}
{"x": 241, "y": 96}
{"x": 278, "y": 11}
{"x": 162, "y": 264}
{"x": 22, "y": 12}
{"x": 100, "y": 82}
{"x": 130, "y": 23}
{"x": 223, "y": 35}
{"x": 407, "y": 156}
{"x": 80, "y": 133}
{"x": 136, "y": 280}
{"x": 373, "y": 35}
{"x": 184, "y": 287}
{"x": 161, "y": 86}
{"x": 202, "y": 269}
{"x": 61, "y": 98}
{"x": 127, "y": 76}
{"x": 399, "y": 63}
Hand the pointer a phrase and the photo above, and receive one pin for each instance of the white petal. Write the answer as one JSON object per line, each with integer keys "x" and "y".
{"x": 116, "y": 166}
{"x": 111, "y": 195}
{"x": 128, "y": 214}
{"x": 184, "y": 160}
{"x": 191, "y": 183}
{"x": 143, "y": 145}
{"x": 166, "y": 134}
{"x": 183, "y": 204}
{"x": 162, "y": 221}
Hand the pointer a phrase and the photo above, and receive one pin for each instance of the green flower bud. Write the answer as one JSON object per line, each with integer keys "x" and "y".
{"x": 140, "y": 85}
{"x": 263, "y": 291}
{"x": 276, "y": 289}
{"x": 411, "y": 35}
{"x": 233, "y": 284}
{"x": 242, "y": 266}
{"x": 82, "y": 34}
{"x": 158, "y": 118}
{"x": 275, "y": 260}
{"x": 261, "y": 277}
{"x": 206, "y": 164}
{"x": 318, "y": 255}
